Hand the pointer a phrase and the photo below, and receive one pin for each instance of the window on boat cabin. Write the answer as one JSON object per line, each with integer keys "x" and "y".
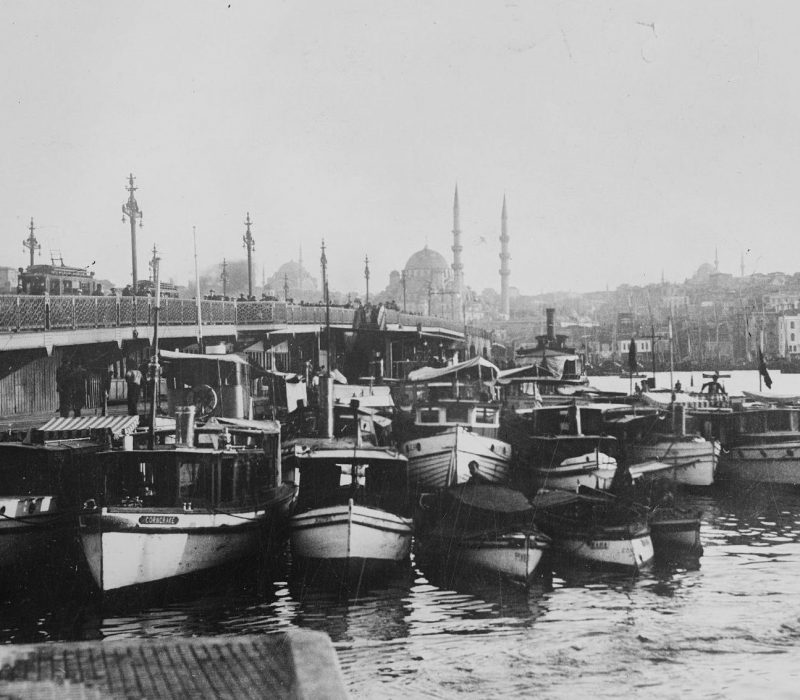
{"x": 459, "y": 413}
{"x": 319, "y": 484}
{"x": 429, "y": 415}
{"x": 245, "y": 479}
{"x": 485, "y": 415}
{"x": 194, "y": 482}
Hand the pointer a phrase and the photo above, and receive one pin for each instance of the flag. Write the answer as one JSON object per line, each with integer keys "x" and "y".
{"x": 632, "y": 356}
{"x": 762, "y": 369}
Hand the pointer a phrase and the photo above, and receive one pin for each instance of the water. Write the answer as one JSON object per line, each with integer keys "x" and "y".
{"x": 721, "y": 626}
{"x": 724, "y": 625}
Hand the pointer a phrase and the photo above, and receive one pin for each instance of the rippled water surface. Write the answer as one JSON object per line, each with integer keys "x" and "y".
{"x": 724, "y": 625}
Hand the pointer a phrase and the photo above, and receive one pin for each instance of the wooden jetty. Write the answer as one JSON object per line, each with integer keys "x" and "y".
{"x": 296, "y": 664}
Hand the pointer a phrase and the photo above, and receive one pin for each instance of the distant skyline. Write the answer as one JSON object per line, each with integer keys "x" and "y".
{"x": 629, "y": 138}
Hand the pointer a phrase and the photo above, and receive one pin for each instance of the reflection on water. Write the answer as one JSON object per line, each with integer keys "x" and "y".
{"x": 721, "y": 625}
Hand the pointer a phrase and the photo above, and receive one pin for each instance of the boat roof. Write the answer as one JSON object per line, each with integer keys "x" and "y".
{"x": 175, "y": 355}
{"x": 427, "y": 374}
{"x": 81, "y": 426}
{"x": 489, "y": 497}
{"x": 342, "y": 450}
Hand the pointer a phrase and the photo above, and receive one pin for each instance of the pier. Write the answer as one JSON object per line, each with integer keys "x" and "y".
{"x": 296, "y": 664}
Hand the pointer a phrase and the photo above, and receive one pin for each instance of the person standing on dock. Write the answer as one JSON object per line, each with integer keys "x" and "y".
{"x": 77, "y": 380}
{"x": 133, "y": 379}
{"x": 64, "y": 387}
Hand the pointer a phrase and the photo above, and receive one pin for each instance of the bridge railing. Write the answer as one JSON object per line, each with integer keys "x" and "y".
{"x": 20, "y": 313}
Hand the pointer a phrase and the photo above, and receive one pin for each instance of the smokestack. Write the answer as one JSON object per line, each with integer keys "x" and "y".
{"x": 551, "y": 324}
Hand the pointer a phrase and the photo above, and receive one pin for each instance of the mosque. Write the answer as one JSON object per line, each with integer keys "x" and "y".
{"x": 429, "y": 284}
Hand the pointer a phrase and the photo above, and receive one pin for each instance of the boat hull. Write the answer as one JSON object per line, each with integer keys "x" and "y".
{"x": 515, "y": 555}
{"x": 129, "y": 549}
{"x": 777, "y": 463}
{"x": 695, "y": 460}
{"x": 671, "y": 534}
{"x": 33, "y": 531}
{"x": 594, "y": 470}
{"x": 608, "y": 546}
{"x": 442, "y": 460}
{"x": 350, "y": 533}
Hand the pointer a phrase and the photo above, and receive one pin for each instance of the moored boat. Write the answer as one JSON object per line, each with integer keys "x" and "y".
{"x": 485, "y": 526}
{"x": 351, "y": 505}
{"x": 177, "y": 509}
{"x": 452, "y": 457}
{"x": 594, "y": 529}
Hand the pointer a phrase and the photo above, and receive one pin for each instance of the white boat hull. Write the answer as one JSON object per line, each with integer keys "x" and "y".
{"x": 777, "y": 463}
{"x": 351, "y": 533}
{"x": 130, "y": 548}
{"x": 594, "y": 470}
{"x": 633, "y": 550}
{"x": 442, "y": 460}
{"x": 515, "y": 555}
{"x": 695, "y": 460}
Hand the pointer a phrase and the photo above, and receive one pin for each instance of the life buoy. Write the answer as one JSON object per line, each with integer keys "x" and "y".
{"x": 204, "y": 399}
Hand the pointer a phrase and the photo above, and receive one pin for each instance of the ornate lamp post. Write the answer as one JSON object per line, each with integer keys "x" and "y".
{"x": 250, "y": 244}
{"x": 134, "y": 214}
{"x": 31, "y": 243}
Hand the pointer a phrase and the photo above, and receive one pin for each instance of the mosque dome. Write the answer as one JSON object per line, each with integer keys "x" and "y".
{"x": 427, "y": 259}
{"x": 704, "y": 272}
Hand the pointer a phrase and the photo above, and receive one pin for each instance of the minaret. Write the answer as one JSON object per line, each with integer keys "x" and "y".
{"x": 300, "y": 271}
{"x": 505, "y": 256}
{"x": 741, "y": 264}
{"x": 458, "y": 266}
{"x": 716, "y": 259}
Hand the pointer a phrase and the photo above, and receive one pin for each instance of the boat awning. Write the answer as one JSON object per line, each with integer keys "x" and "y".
{"x": 498, "y": 499}
{"x": 473, "y": 366}
{"x": 174, "y": 355}
{"x": 58, "y": 428}
{"x": 264, "y": 426}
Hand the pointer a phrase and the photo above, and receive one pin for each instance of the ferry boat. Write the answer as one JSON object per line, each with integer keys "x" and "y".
{"x": 451, "y": 433}
{"x": 180, "y": 509}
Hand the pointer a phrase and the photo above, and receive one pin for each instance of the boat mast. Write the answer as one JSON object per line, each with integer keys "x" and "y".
{"x": 197, "y": 295}
{"x": 155, "y": 369}
{"x": 671, "y": 381}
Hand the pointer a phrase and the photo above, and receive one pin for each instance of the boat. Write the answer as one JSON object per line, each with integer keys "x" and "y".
{"x": 351, "y": 505}
{"x": 451, "y": 429}
{"x": 648, "y": 435}
{"x": 551, "y": 450}
{"x": 42, "y": 488}
{"x": 761, "y": 445}
{"x": 594, "y": 528}
{"x": 674, "y": 531}
{"x": 531, "y": 386}
{"x": 768, "y": 398}
{"x": 489, "y": 527}
{"x": 180, "y": 509}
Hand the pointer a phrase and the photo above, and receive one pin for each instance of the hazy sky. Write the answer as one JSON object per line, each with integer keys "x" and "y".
{"x": 628, "y": 137}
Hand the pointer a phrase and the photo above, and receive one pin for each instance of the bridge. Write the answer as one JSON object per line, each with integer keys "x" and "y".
{"x": 36, "y": 332}
{"x": 28, "y": 322}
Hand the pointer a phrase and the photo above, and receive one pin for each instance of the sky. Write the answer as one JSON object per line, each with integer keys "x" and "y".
{"x": 631, "y": 139}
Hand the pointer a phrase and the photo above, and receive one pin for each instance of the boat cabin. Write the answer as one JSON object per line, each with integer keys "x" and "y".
{"x": 215, "y": 384}
{"x": 186, "y": 478}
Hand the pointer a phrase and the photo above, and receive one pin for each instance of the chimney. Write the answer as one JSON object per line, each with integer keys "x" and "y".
{"x": 551, "y": 324}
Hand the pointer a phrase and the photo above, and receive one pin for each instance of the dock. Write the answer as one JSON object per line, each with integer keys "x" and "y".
{"x": 297, "y": 664}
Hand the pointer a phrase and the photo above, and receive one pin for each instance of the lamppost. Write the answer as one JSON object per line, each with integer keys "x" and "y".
{"x": 31, "y": 243}
{"x": 134, "y": 214}
{"x": 250, "y": 244}
{"x": 224, "y": 277}
{"x": 324, "y": 263}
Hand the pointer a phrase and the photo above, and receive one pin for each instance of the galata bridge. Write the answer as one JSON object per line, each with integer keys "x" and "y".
{"x": 106, "y": 334}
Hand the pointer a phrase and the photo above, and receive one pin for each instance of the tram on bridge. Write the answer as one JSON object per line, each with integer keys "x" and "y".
{"x": 57, "y": 280}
